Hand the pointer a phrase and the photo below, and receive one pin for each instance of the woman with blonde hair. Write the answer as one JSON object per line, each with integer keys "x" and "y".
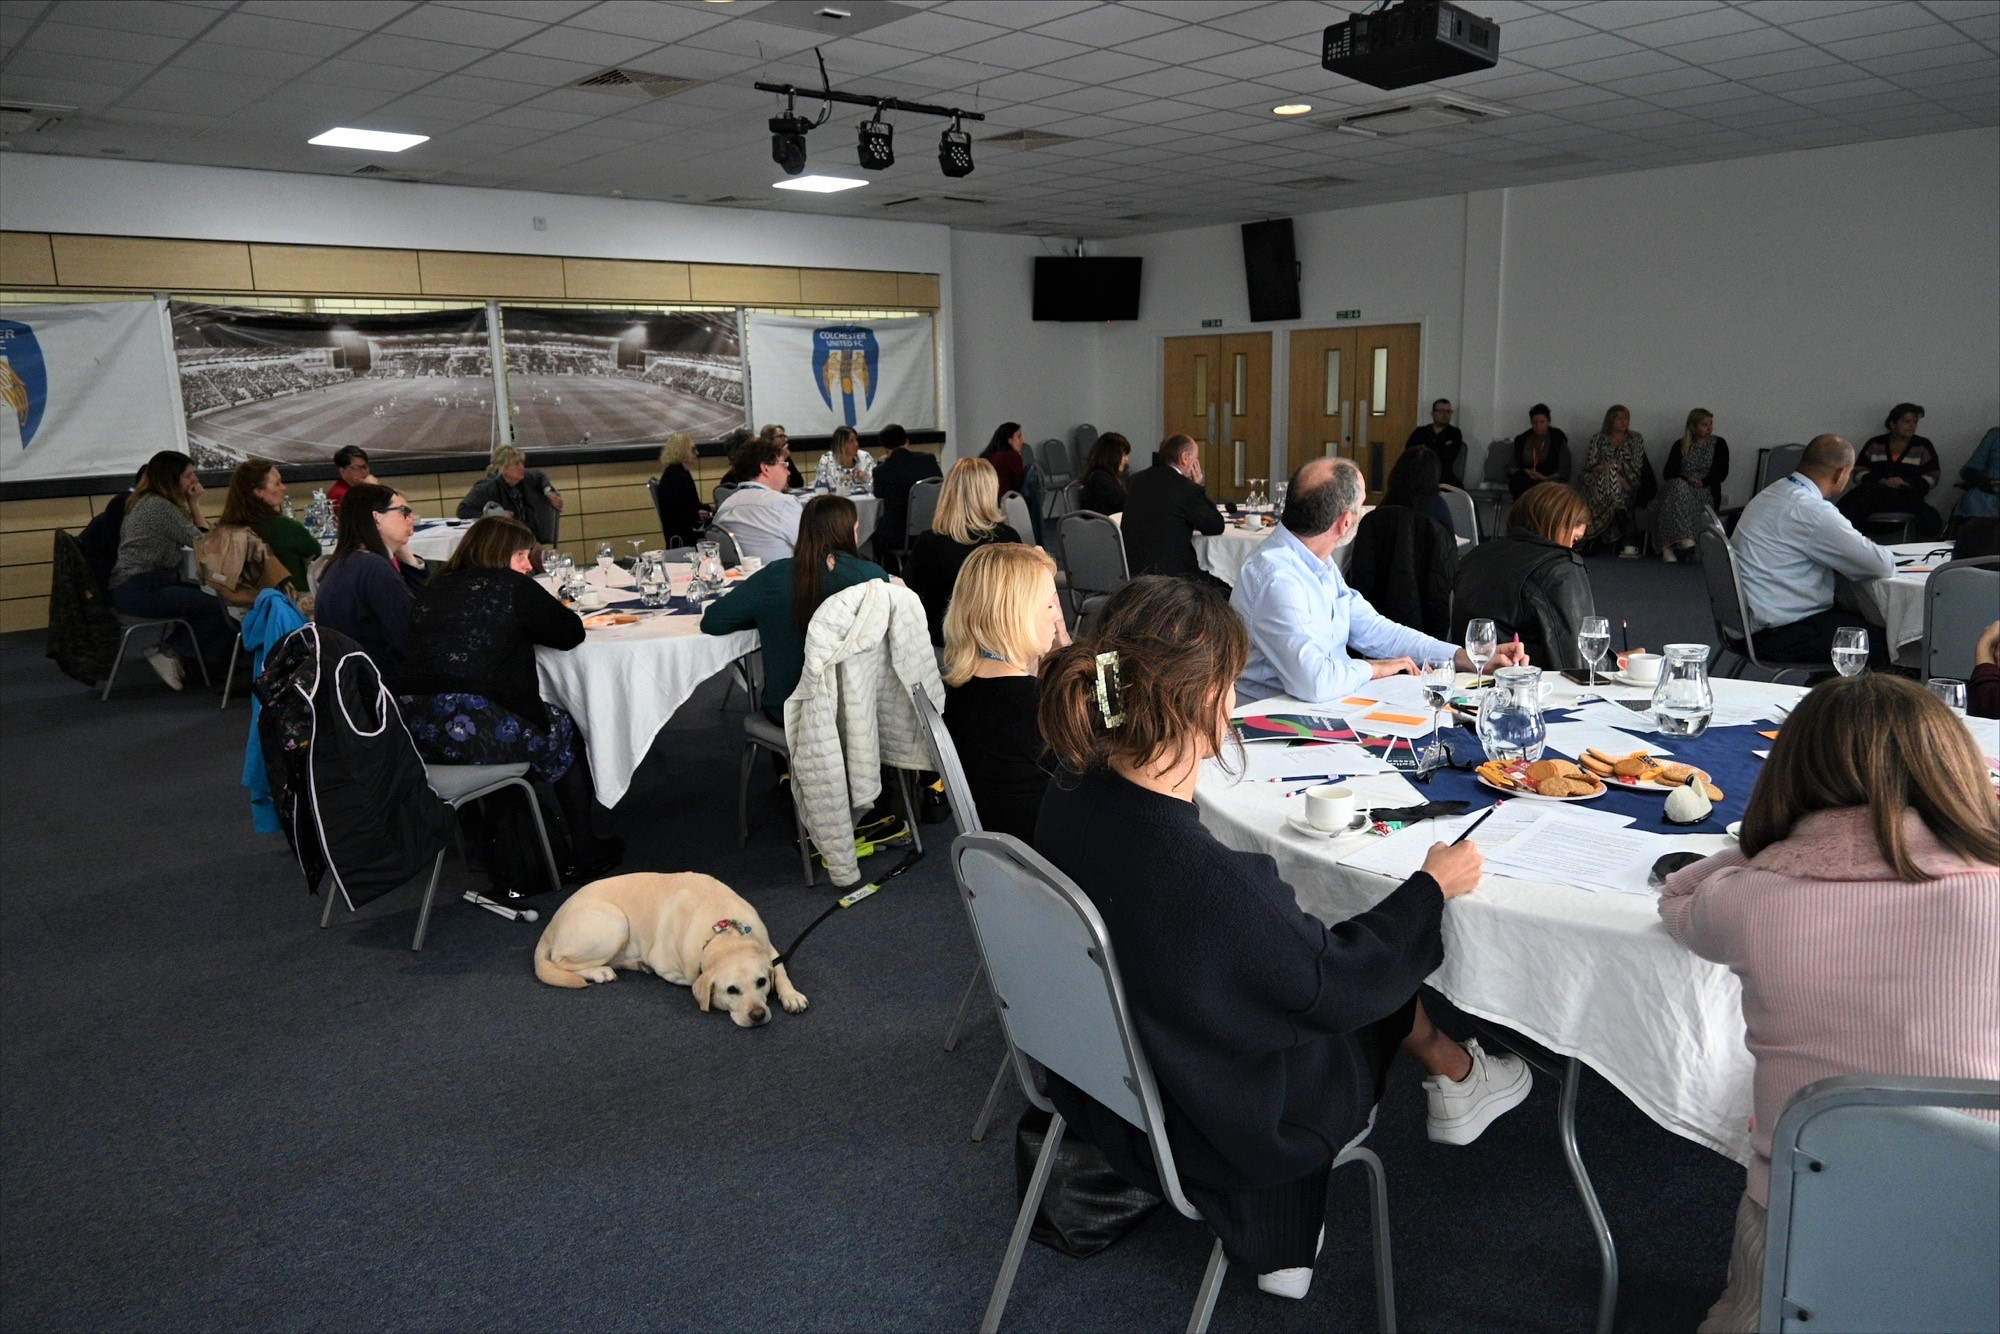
{"x": 1530, "y": 582}
{"x": 1004, "y": 618}
{"x": 1861, "y": 910}
{"x": 1270, "y": 1033}
{"x": 1691, "y": 486}
{"x": 682, "y": 515}
{"x": 1614, "y": 470}
{"x": 968, "y": 517}
{"x": 845, "y": 468}
{"x": 512, "y": 488}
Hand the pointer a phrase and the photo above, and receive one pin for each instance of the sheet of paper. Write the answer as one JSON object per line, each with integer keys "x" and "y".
{"x": 1572, "y": 739}
{"x": 1583, "y": 853}
{"x": 1986, "y": 732}
{"x": 1604, "y": 713}
{"x": 1402, "y": 694}
{"x": 1402, "y": 854}
{"x": 1761, "y": 754}
{"x": 1265, "y": 763}
{"x": 1391, "y": 722}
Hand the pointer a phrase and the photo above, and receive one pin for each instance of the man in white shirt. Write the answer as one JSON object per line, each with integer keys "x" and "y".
{"x": 1303, "y": 618}
{"x": 1789, "y": 545}
{"x": 758, "y": 513}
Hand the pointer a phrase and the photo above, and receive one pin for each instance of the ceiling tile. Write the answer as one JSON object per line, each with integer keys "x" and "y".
{"x": 355, "y": 74}
{"x": 1539, "y": 31}
{"x": 1576, "y": 50}
{"x": 1105, "y": 25}
{"x": 360, "y": 15}
{"x": 1100, "y": 67}
{"x": 540, "y": 71}
{"x": 1771, "y": 62}
{"x": 216, "y": 58}
{"x": 1094, "y": 100}
{"x": 1258, "y": 62}
{"x": 413, "y": 53}
{"x": 545, "y": 11}
{"x": 1753, "y": 42}
{"x": 264, "y": 33}
{"x": 534, "y": 118}
{"x": 61, "y": 65}
{"x": 1696, "y": 26}
{"x": 1020, "y": 50}
{"x": 585, "y": 45}
{"x": 1814, "y": 94}
{"x": 1626, "y": 14}
{"x": 1925, "y": 37}
{"x": 1823, "y": 76}
{"x": 1673, "y": 81}
{"x": 467, "y": 27}
{"x": 1170, "y": 82}
{"x": 661, "y": 23}
{"x": 148, "y": 16}
{"x": 1015, "y": 13}
{"x": 1857, "y": 23}
{"x": 1289, "y": 18}
{"x": 1196, "y": 11}
{"x": 933, "y": 32}
{"x": 1186, "y": 45}
{"x": 139, "y": 47}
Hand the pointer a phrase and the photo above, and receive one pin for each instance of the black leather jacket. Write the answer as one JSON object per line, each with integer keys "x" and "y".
{"x": 1531, "y": 587}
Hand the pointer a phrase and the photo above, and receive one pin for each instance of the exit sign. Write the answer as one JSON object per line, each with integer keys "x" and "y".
{"x": 1211, "y": 324}
{"x": 1347, "y": 314}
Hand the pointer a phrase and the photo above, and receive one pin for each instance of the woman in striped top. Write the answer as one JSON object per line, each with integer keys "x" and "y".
{"x": 1861, "y": 911}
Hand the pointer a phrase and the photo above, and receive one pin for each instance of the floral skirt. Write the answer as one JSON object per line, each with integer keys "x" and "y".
{"x": 459, "y": 728}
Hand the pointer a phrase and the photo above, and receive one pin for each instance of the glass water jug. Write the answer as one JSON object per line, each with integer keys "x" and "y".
{"x": 708, "y": 565}
{"x": 1511, "y": 727}
{"x": 1683, "y": 702}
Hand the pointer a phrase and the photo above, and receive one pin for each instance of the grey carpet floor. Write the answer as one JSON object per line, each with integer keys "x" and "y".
{"x": 217, "y": 1116}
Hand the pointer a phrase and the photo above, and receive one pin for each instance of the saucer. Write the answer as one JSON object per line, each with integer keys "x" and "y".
{"x": 1625, "y": 679}
{"x": 1306, "y": 827}
{"x": 1734, "y": 829}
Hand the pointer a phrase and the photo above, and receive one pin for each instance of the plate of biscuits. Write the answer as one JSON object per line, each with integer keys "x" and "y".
{"x": 1641, "y": 772}
{"x": 1552, "y": 779}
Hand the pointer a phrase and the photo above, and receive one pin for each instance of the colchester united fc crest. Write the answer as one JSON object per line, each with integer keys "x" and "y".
{"x": 24, "y": 380}
{"x": 846, "y": 360}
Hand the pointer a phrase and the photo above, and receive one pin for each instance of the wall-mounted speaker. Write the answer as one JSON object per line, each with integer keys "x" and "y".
{"x": 1271, "y": 270}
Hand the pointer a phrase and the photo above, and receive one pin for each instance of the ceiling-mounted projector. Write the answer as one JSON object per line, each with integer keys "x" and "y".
{"x": 1415, "y": 41}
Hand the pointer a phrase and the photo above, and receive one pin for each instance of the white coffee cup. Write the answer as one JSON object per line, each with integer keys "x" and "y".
{"x": 1253, "y": 523}
{"x": 591, "y": 598}
{"x": 752, "y": 564}
{"x": 1643, "y": 667}
{"x": 1330, "y": 809}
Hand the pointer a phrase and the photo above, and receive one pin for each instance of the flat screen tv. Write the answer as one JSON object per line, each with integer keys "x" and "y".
{"x": 1088, "y": 289}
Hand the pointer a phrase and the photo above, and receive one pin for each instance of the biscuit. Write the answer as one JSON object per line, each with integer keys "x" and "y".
{"x": 1598, "y": 764}
{"x": 1564, "y": 787}
{"x": 1633, "y": 766}
{"x": 1673, "y": 775}
{"x": 1714, "y": 792}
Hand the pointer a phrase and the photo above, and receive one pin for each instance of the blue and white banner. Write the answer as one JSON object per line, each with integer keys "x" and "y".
{"x": 86, "y": 389}
{"x": 810, "y": 376}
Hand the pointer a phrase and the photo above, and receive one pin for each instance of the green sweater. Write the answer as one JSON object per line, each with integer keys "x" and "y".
{"x": 291, "y": 543}
{"x": 763, "y": 603}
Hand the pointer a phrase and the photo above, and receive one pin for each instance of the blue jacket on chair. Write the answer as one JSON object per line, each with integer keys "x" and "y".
{"x": 272, "y": 618}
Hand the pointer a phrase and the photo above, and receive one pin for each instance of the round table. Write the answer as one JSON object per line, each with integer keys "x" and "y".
{"x": 435, "y": 541}
{"x": 1223, "y": 554}
{"x": 1897, "y": 604}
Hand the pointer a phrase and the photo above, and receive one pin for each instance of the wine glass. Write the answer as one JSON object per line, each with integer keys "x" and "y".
{"x": 1481, "y": 640}
{"x": 606, "y": 557}
{"x": 638, "y": 545}
{"x": 1437, "y": 676}
{"x": 1850, "y": 649}
{"x": 1950, "y": 691}
{"x": 551, "y": 561}
{"x": 1593, "y": 640}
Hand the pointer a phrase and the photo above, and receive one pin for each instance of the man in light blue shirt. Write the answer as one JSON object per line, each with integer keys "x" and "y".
{"x": 758, "y": 514}
{"x": 1789, "y": 545}
{"x": 1302, "y": 616}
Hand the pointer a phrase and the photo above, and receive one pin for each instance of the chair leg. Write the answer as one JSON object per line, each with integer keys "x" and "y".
{"x": 207, "y": 681}
{"x": 541, "y": 832}
{"x": 430, "y": 893}
{"x": 1024, "y": 1221}
{"x": 235, "y": 652}
{"x": 743, "y": 795}
{"x": 326, "y": 913}
{"x": 992, "y": 1097}
{"x": 906, "y": 788}
{"x": 1211, "y": 1288}
{"x": 805, "y": 839}
{"x": 1378, "y": 1209}
{"x": 123, "y": 641}
{"x": 964, "y": 1007}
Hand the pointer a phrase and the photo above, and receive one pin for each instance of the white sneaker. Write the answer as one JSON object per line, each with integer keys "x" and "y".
{"x": 1460, "y": 1110}
{"x": 166, "y": 666}
{"x": 1628, "y": 552}
{"x": 1293, "y": 1283}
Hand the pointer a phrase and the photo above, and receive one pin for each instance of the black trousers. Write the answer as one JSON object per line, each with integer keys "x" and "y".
{"x": 1811, "y": 640}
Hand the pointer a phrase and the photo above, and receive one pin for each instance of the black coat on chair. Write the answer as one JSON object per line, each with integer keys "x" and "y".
{"x": 1405, "y": 565}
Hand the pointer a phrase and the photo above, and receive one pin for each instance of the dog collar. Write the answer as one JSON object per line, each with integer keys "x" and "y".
{"x": 728, "y": 924}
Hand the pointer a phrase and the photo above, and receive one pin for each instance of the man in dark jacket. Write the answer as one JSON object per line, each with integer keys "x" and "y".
{"x": 1444, "y": 440}
{"x": 521, "y": 492}
{"x": 900, "y": 469}
{"x": 1165, "y": 506}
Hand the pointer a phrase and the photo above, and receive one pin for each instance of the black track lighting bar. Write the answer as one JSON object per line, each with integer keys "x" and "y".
{"x": 861, "y": 100}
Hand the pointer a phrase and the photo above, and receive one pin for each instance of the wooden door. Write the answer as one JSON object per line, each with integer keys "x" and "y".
{"x": 1218, "y": 390}
{"x": 1354, "y": 395}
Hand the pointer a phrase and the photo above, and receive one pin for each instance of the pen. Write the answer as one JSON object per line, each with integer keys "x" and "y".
{"x": 1625, "y": 632}
{"x": 1300, "y": 778}
{"x": 1476, "y": 823}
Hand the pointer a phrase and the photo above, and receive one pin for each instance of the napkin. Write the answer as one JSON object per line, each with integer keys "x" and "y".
{"x": 611, "y": 578}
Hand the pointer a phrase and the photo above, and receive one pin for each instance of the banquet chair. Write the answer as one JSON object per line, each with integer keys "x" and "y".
{"x": 161, "y": 626}
{"x": 1062, "y": 1004}
{"x": 1961, "y": 598}
{"x": 1884, "y": 1207}
{"x": 959, "y": 792}
{"x": 1777, "y": 463}
{"x": 923, "y": 509}
{"x": 1015, "y": 507}
{"x": 1464, "y": 512}
{"x": 236, "y": 650}
{"x": 1094, "y": 550}
{"x": 1082, "y": 439}
{"x": 1057, "y": 470}
{"x": 1725, "y": 605}
{"x": 726, "y": 544}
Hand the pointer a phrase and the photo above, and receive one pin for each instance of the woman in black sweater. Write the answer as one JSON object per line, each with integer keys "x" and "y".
{"x": 968, "y": 518}
{"x": 1270, "y": 1034}
{"x": 468, "y": 686}
{"x": 1003, "y": 620}
{"x": 682, "y": 515}
{"x": 1104, "y": 474}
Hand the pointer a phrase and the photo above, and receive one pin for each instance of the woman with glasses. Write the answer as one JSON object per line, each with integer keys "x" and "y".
{"x": 363, "y": 592}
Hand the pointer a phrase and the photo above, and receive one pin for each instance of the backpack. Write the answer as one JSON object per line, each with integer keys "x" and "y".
{"x": 83, "y": 629}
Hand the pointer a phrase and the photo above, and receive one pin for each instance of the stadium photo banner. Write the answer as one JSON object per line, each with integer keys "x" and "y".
{"x": 294, "y": 387}
{"x": 810, "y": 376}
{"x": 580, "y": 378}
{"x": 86, "y": 390}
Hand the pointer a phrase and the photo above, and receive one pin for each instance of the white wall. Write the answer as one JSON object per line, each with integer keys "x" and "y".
{"x": 1006, "y": 367}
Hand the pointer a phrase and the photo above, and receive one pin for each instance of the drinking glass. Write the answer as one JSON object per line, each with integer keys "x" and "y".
{"x": 1850, "y": 649}
{"x": 1950, "y": 691}
{"x": 1278, "y": 496}
{"x": 606, "y": 557}
{"x": 1437, "y": 676}
{"x": 1593, "y": 640}
{"x": 551, "y": 561}
{"x": 1481, "y": 639}
{"x": 638, "y": 545}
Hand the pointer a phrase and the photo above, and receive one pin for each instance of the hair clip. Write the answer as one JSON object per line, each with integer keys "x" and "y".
{"x": 1107, "y": 687}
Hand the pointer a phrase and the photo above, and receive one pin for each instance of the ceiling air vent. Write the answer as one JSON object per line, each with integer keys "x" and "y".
{"x": 634, "y": 83}
{"x": 1441, "y": 112}
{"x": 1150, "y": 217}
{"x": 376, "y": 171}
{"x": 1027, "y": 139}
{"x": 1316, "y": 182}
{"x": 31, "y": 117}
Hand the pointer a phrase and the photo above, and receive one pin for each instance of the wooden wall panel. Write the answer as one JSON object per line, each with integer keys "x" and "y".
{"x": 849, "y": 287}
{"x": 917, "y": 289}
{"x": 26, "y": 260}
{"x": 453, "y": 273}
{"x": 624, "y": 280}
{"x": 334, "y": 269}
{"x": 21, "y": 516}
{"x": 152, "y": 265}
{"x": 744, "y": 284}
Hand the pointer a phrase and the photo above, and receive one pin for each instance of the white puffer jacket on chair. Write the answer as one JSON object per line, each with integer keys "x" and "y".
{"x": 866, "y": 648}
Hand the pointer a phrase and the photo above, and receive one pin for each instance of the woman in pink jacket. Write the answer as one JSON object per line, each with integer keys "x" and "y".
{"x": 1861, "y": 911}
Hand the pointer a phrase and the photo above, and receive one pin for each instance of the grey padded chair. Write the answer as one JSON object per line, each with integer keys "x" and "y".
{"x": 1082, "y": 439}
{"x": 1884, "y": 1207}
{"x": 923, "y": 508}
{"x": 1464, "y": 511}
{"x": 722, "y": 491}
{"x": 1015, "y": 507}
{"x": 236, "y": 650}
{"x": 966, "y": 812}
{"x": 1726, "y": 606}
{"x": 1961, "y": 598}
{"x": 457, "y": 784}
{"x": 1062, "y": 1004}
{"x": 161, "y": 628}
{"x": 1093, "y": 550}
{"x": 1778, "y": 463}
{"x": 1057, "y": 468}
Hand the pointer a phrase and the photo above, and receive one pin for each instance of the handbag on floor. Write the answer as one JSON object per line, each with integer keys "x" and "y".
{"x": 1087, "y": 1205}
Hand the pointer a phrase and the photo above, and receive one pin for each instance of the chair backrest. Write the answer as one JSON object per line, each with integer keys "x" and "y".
{"x": 1961, "y": 598}
{"x": 1499, "y": 458}
{"x": 1884, "y": 1207}
{"x": 723, "y": 490}
{"x": 923, "y": 506}
{"x": 1018, "y": 518}
{"x": 1464, "y": 514}
{"x": 726, "y": 543}
{"x": 1054, "y": 458}
{"x": 1055, "y": 981}
{"x": 1725, "y": 594}
{"x": 1082, "y": 440}
{"x": 956, "y": 788}
{"x": 1778, "y": 463}
{"x": 1094, "y": 552}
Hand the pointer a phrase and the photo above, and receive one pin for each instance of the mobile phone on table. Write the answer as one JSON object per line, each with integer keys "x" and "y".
{"x": 1581, "y": 678}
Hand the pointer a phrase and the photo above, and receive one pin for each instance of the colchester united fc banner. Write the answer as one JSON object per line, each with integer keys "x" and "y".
{"x": 810, "y": 376}
{"x": 85, "y": 389}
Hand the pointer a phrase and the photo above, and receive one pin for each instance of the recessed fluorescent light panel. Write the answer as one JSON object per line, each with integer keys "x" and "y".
{"x": 1292, "y": 109}
{"x": 818, "y": 185}
{"x": 375, "y": 141}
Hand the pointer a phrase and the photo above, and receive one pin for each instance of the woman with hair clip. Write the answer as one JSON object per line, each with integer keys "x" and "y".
{"x": 1861, "y": 910}
{"x": 1004, "y": 618}
{"x": 779, "y": 600}
{"x": 1270, "y": 1034}
{"x": 469, "y": 690}
{"x": 162, "y": 516}
{"x": 362, "y": 592}
{"x": 968, "y": 517}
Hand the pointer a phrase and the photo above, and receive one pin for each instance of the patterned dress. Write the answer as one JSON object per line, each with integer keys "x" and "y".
{"x": 1684, "y": 511}
{"x": 1609, "y": 492}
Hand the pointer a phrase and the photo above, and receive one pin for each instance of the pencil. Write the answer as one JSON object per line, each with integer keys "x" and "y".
{"x": 1476, "y": 823}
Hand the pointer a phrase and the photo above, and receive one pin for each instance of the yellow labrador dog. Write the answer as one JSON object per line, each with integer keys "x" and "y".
{"x": 687, "y": 928}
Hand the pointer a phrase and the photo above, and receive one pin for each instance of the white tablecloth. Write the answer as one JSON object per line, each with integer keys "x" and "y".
{"x": 1223, "y": 555}
{"x": 1898, "y": 604}
{"x": 436, "y": 543}
{"x": 1587, "y": 974}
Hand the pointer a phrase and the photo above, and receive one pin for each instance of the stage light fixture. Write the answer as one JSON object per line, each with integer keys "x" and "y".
{"x": 876, "y": 147}
{"x": 788, "y": 140}
{"x": 955, "y": 151}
